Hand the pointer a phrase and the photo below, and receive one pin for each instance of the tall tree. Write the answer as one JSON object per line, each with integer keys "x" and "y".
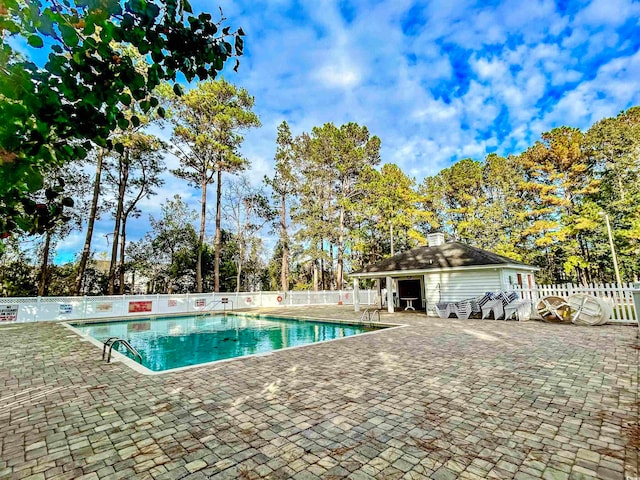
{"x": 503, "y": 211}
{"x": 54, "y": 113}
{"x": 283, "y": 185}
{"x": 613, "y": 145}
{"x": 52, "y": 197}
{"x": 388, "y": 214}
{"x": 167, "y": 254}
{"x": 207, "y": 124}
{"x": 314, "y": 209}
{"x": 247, "y": 210}
{"x": 557, "y": 176}
{"x": 134, "y": 174}
{"x": 93, "y": 215}
{"x": 332, "y": 162}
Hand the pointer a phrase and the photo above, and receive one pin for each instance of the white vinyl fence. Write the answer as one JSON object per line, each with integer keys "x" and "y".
{"x": 42, "y": 309}
{"x": 620, "y": 296}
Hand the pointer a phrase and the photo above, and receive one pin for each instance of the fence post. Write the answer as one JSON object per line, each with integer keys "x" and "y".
{"x": 635, "y": 294}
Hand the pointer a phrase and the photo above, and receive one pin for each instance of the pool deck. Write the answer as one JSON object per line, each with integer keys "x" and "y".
{"x": 440, "y": 399}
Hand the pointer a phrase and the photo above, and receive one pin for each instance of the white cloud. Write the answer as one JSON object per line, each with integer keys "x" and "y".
{"x": 615, "y": 85}
{"x": 611, "y": 13}
{"x": 436, "y": 83}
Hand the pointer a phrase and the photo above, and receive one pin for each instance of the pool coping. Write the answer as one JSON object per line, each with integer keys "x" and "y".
{"x": 139, "y": 368}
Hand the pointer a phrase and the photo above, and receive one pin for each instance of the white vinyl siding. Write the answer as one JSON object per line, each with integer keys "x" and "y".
{"x": 454, "y": 286}
{"x": 513, "y": 273}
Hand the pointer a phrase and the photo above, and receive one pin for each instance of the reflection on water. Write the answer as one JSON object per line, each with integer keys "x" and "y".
{"x": 178, "y": 342}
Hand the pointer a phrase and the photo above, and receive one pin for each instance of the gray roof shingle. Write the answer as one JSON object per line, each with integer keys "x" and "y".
{"x": 447, "y": 255}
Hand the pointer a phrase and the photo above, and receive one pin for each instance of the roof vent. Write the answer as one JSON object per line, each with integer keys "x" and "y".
{"x": 435, "y": 239}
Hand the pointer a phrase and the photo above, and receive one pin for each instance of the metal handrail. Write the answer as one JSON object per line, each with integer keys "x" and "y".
{"x": 368, "y": 313}
{"x": 107, "y": 343}
{"x": 208, "y": 308}
{"x": 112, "y": 341}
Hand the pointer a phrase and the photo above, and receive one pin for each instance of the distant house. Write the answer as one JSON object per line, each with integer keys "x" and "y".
{"x": 442, "y": 272}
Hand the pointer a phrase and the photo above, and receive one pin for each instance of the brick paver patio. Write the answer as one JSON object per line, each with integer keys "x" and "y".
{"x": 436, "y": 399}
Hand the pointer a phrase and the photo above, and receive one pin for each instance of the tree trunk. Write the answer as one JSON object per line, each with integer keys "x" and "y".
{"x": 218, "y": 238}
{"x": 123, "y": 242}
{"x": 124, "y": 175}
{"x": 238, "y": 274}
{"x": 391, "y": 232}
{"x": 240, "y": 242}
{"x": 284, "y": 272}
{"x": 203, "y": 213}
{"x": 340, "y": 274}
{"x": 322, "y": 279}
{"x": 92, "y": 219}
{"x": 315, "y": 275}
{"x": 44, "y": 267}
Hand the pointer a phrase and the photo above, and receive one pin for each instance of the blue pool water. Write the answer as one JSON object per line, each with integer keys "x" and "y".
{"x": 166, "y": 343}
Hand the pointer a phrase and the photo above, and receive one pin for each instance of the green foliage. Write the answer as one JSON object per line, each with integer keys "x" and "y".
{"x": 208, "y": 121}
{"x": 53, "y": 114}
{"x": 390, "y": 205}
{"x": 246, "y": 210}
{"x": 18, "y": 279}
{"x": 284, "y": 185}
{"x": 330, "y": 162}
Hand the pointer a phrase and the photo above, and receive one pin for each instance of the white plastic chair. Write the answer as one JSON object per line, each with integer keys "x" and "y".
{"x": 462, "y": 310}
{"x": 495, "y": 307}
{"x": 520, "y": 308}
{"x": 444, "y": 309}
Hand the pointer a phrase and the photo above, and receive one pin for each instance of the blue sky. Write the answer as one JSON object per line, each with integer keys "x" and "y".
{"x": 436, "y": 81}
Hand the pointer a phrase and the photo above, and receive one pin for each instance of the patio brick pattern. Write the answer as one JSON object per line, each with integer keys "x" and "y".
{"x": 439, "y": 399}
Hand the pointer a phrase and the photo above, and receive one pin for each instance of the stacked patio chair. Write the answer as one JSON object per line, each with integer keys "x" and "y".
{"x": 487, "y": 305}
{"x": 478, "y": 304}
{"x": 521, "y": 308}
{"x": 493, "y": 306}
{"x": 511, "y": 304}
{"x": 463, "y": 309}
{"x": 444, "y": 309}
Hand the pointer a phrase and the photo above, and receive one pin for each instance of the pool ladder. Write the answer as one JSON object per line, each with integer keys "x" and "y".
{"x": 207, "y": 311}
{"x": 113, "y": 341}
{"x": 368, "y": 314}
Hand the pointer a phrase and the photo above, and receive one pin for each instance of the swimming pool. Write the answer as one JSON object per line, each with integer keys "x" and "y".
{"x": 173, "y": 342}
